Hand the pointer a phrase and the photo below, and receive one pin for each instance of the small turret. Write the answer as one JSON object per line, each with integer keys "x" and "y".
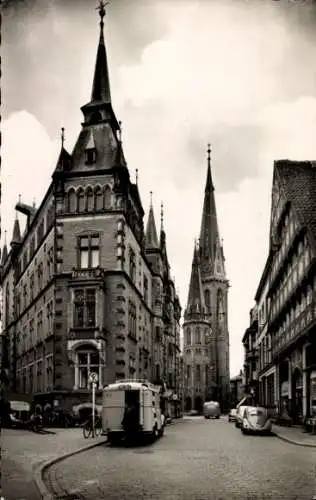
{"x": 151, "y": 238}
{"x": 16, "y": 235}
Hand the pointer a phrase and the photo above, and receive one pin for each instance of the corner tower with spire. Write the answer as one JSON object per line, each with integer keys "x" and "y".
{"x": 110, "y": 304}
{"x": 205, "y": 327}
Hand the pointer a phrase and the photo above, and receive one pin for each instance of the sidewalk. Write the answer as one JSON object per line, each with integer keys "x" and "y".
{"x": 24, "y": 453}
{"x": 294, "y": 435}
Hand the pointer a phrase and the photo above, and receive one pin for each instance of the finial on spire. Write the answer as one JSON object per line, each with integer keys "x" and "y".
{"x": 20, "y": 198}
{"x": 151, "y": 198}
{"x": 5, "y": 237}
{"x": 136, "y": 176}
{"x": 34, "y": 202}
{"x": 102, "y": 11}
{"x": 120, "y": 131}
{"x": 62, "y": 136}
{"x": 161, "y": 215}
{"x": 209, "y": 154}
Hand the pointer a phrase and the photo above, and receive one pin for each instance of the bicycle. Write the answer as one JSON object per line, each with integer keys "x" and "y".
{"x": 88, "y": 429}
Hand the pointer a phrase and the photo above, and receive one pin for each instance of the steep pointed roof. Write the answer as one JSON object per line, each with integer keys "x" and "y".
{"x": 101, "y": 81}
{"x": 151, "y": 237}
{"x": 16, "y": 235}
{"x": 4, "y": 253}
{"x": 196, "y": 302}
{"x": 298, "y": 179}
{"x": 64, "y": 161}
{"x": 209, "y": 233}
{"x": 100, "y": 106}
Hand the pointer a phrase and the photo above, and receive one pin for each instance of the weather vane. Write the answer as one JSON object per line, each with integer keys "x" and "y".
{"x": 209, "y": 151}
{"x": 101, "y": 9}
{"x": 62, "y": 136}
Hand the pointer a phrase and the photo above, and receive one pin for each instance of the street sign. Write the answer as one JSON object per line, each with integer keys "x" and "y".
{"x": 93, "y": 377}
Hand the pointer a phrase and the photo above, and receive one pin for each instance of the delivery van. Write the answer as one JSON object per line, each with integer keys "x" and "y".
{"x": 131, "y": 408}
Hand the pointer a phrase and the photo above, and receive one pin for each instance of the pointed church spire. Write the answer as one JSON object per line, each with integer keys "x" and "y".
{"x": 99, "y": 109}
{"x": 162, "y": 231}
{"x": 16, "y": 235}
{"x": 5, "y": 249}
{"x": 151, "y": 237}
{"x": 209, "y": 228}
{"x": 196, "y": 302}
{"x": 101, "y": 82}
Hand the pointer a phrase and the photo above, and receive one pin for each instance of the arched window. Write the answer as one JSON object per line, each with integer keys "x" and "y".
{"x": 87, "y": 361}
{"x": 188, "y": 336}
{"x": 81, "y": 200}
{"x": 90, "y": 199}
{"x": 198, "y": 335}
{"x": 107, "y": 197}
{"x": 132, "y": 265}
{"x": 98, "y": 198}
{"x": 71, "y": 201}
{"x": 207, "y": 298}
{"x": 7, "y": 305}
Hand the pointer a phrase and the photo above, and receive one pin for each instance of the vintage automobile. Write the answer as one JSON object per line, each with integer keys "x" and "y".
{"x": 232, "y": 416}
{"x": 256, "y": 420}
{"x": 211, "y": 409}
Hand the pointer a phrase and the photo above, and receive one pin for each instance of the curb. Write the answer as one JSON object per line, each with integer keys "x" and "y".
{"x": 41, "y": 469}
{"x": 296, "y": 443}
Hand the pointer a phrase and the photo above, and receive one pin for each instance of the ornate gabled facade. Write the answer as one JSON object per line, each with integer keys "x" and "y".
{"x": 86, "y": 289}
{"x": 205, "y": 327}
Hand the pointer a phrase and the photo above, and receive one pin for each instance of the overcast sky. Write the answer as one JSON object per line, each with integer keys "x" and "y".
{"x": 238, "y": 74}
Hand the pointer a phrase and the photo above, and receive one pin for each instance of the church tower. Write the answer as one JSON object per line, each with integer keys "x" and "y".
{"x": 205, "y": 327}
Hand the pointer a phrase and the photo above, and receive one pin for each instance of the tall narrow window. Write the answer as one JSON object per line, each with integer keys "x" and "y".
{"x": 146, "y": 289}
{"x": 132, "y": 265}
{"x": 71, "y": 201}
{"x": 85, "y": 308}
{"x": 81, "y": 200}
{"x": 107, "y": 197}
{"x": 88, "y": 360}
{"x": 89, "y": 252}
{"x": 98, "y": 198}
{"x": 198, "y": 335}
{"x": 90, "y": 199}
{"x": 132, "y": 319}
{"x": 7, "y": 305}
{"x": 198, "y": 374}
{"x": 188, "y": 336}
{"x": 207, "y": 298}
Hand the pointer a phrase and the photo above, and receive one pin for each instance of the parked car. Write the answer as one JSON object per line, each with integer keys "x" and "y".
{"x": 211, "y": 409}
{"x": 232, "y": 416}
{"x": 242, "y": 405}
{"x": 256, "y": 419}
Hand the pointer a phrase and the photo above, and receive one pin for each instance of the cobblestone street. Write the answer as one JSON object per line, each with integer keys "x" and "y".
{"x": 196, "y": 459}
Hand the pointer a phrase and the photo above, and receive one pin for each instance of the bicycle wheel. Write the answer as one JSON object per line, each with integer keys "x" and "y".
{"x": 87, "y": 431}
{"x": 98, "y": 430}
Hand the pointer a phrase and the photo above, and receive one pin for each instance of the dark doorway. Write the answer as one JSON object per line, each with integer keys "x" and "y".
{"x": 198, "y": 404}
{"x": 188, "y": 404}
